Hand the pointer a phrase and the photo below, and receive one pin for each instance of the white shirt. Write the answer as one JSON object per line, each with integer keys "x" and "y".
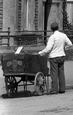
{"x": 56, "y": 45}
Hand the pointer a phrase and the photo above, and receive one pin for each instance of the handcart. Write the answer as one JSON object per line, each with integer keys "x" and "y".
{"x": 28, "y": 67}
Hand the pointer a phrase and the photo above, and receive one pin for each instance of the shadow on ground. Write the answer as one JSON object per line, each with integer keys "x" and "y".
{"x": 20, "y": 94}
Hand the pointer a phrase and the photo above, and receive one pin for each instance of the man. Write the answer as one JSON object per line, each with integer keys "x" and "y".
{"x": 55, "y": 49}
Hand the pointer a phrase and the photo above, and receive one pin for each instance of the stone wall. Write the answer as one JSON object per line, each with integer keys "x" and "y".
{"x": 9, "y": 14}
{"x": 9, "y": 17}
{"x": 54, "y": 13}
{"x": 1, "y": 14}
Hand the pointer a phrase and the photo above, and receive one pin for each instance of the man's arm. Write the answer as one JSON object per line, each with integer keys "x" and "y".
{"x": 48, "y": 47}
{"x": 68, "y": 43}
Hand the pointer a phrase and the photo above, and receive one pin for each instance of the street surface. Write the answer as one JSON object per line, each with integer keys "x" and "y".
{"x": 29, "y": 104}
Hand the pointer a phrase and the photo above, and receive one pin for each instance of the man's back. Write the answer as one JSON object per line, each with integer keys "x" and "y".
{"x": 60, "y": 41}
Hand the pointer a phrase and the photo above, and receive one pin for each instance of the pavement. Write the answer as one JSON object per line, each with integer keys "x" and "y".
{"x": 60, "y": 104}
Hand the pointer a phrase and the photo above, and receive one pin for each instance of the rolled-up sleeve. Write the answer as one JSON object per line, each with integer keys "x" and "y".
{"x": 49, "y": 46}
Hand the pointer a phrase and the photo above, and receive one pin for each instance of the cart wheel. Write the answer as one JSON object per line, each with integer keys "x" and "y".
{"x": 11, "y": 86}
{"x": 39, "y": 83}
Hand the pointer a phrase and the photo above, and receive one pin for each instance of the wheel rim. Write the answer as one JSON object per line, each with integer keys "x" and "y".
{"x": 39, "y": 83}
{"x": 11, "y": 86}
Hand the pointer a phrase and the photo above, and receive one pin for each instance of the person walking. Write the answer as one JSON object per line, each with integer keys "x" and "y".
{"x": 55, "y": 49}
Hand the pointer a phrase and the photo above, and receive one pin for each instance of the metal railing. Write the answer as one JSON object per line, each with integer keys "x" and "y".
{"x": 27, "y": 36}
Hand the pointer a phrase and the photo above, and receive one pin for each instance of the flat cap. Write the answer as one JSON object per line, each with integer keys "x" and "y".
{"x": 54, "y": 25}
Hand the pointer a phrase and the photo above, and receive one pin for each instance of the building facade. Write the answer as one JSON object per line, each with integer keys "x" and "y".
{"x": 31, "y": 15}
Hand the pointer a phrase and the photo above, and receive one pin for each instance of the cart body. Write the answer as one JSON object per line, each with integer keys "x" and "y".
{"x": 25, "y": 66}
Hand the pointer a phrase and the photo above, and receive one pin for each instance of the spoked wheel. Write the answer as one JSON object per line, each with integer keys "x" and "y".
{"x": 39, "y": 83}
{"x": 11, "y": 86}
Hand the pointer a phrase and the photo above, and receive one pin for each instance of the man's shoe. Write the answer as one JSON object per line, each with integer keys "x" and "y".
{"x": 52, "y": 92}
{"x": 61, "y": 92}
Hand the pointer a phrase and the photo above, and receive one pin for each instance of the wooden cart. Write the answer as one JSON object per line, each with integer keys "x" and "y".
{"x": 28, "y": 67}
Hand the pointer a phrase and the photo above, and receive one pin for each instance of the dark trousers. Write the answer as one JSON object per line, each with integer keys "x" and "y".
{"x": 57, "y": 73}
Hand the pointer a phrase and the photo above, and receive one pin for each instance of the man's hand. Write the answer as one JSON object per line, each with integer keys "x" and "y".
{"x": 39, "y": 53}
{"x": 35, "y": 53}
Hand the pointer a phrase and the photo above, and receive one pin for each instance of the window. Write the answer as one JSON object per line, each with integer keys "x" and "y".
{"x": 25, "y": 11}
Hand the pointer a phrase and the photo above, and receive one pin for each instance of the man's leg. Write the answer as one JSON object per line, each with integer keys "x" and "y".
{"x": 54, "y": 74}
{"x": 61, "y": 76}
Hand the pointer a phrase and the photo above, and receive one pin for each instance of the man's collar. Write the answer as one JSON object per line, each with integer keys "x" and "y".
{"x": 56, "y": 31}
